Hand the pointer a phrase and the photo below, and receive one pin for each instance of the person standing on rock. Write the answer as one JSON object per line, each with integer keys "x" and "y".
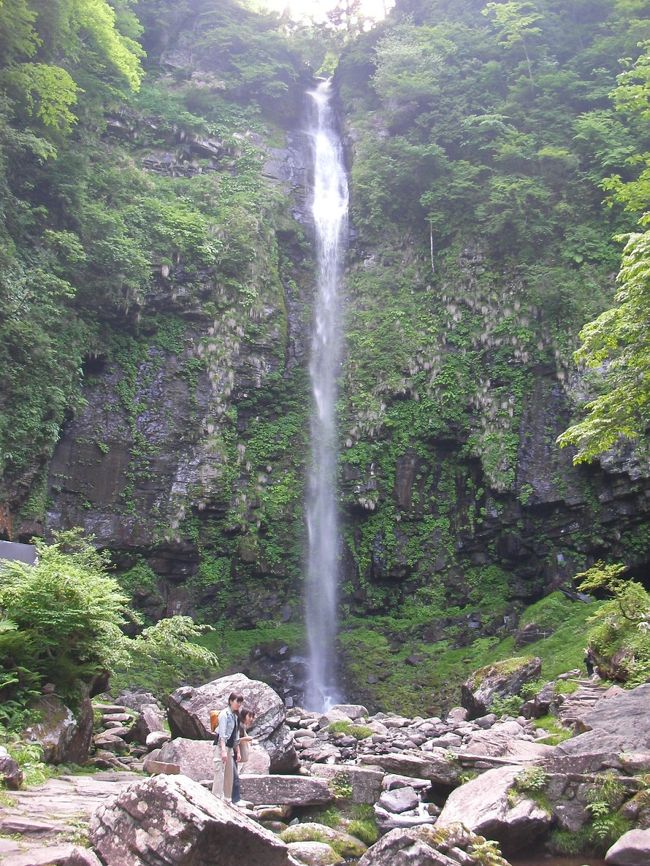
{"x": 246, "y": 720}
{"x": 227, "y": 748}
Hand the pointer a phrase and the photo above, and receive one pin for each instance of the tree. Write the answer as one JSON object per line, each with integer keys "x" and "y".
{"x": 617, "y": 343}
{"x": 620, "y": 632}
{"x": 516, "y": 22}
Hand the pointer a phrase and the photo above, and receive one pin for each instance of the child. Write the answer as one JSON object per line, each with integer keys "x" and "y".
{"x": 246, "y": 720}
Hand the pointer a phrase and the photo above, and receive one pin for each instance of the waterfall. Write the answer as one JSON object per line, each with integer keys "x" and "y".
{"x": 329, "y": 209}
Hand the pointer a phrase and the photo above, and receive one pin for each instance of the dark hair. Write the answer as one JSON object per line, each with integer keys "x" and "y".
{"x": 244, "y": 713}
{"x": 235, "y": 696}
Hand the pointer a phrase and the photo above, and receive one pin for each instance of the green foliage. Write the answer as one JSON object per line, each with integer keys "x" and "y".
{"x": 615, "y": 344}
{"x": 606, "y": 795}
{"x": 359, "y": 732}
{"x": 363, "y": 824}
{"x": 509, "y": 706}
{"x": 67, "y": 613}
{"x": 341, "y": 785}
{"x": 557, "y": 733}
{"x": 167, "y": 655}
{"x": 486, "y": 852}
{"x": 620, "y": 630}
{"x": 531, "y": 779}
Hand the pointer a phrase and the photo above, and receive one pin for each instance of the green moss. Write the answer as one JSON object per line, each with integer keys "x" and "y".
{"x": 359, "y": 732}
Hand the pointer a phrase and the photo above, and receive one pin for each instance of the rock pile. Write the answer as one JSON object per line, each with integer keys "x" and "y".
{"x": 418, "y": 779}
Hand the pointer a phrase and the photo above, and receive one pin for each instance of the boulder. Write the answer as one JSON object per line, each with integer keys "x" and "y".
{"x": 10, "y": 772}
{"x": 457, "y": 715}
{"x": 347, "y": 846}
{"x": 437, "y": 765}
{"x": 366, "y": 782}
{"x": 64, "y": 854}
{"x": 65, "y": 738}
{"x": 110, "y": 743}
{"x": 394, "y": 780}
{"x": 319, "y": 751}
{"x": 352, "y": 711}
{"x": 400, "y": 820}
{"x": 501, "y": 679}
{"x": 590, "y": 752}
{"x": 332, "y": 716}
{"x": 625, "y": 712}
{"x": 314, "y": 853}
{"x": 291, "y": 790}
{"x": 399, "y": 800}
{"x": 507, "y": 740}
{"x": 173, "y": 821}
{"x": 426, "y": 846}
{"x": 148, "y": 722}
{"x": 156, "y": 739}
{"x": 189, "y": 715}
{"x": 195, "y": 758}
{"x": 632, "y": 849}
{"x": 484, "y": 807}
{"x": 136, "y": 699}
{"x": 189, "y": 708}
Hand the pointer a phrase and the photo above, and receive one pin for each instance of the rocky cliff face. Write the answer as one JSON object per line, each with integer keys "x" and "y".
{"x": 190, "y": 443}
{"x": 191, "y": 446}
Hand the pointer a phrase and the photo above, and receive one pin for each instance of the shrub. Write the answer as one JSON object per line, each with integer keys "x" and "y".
{"x": 66, "y": 614}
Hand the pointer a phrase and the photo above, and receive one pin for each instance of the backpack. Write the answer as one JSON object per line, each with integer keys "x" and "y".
{"x": 214, "y": 722}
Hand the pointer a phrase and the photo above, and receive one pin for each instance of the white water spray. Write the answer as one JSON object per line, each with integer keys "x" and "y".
{"x": 329, "y": 209}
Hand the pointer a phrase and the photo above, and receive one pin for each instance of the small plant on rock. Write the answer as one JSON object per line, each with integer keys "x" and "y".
{"x": 341, "y": 786}
{"x": 486, "y": 852}
{"x": 363, "y": 825}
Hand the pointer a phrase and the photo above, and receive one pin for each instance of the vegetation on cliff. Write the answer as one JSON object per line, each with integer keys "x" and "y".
{"x": 155, "y": 286}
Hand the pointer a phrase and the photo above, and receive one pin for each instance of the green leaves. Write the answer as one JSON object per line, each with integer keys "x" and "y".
{"x": 48, "y": 93}
{"x": 67, "y": 612}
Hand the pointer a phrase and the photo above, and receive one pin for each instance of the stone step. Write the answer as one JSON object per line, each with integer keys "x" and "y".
{"x": 109, "y": 708}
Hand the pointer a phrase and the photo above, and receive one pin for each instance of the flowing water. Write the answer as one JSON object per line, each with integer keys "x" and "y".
{"x": 329, "y": 209}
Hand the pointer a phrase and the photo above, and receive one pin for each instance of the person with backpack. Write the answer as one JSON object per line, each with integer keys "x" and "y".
{"x": 227, "y": 747}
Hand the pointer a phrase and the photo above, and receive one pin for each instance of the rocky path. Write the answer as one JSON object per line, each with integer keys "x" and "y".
{"x": 38, "y": 826}
{"x": 583, "y": 699}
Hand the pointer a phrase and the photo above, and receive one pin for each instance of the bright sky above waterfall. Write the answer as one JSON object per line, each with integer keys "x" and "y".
{"x": 299, "y": 9}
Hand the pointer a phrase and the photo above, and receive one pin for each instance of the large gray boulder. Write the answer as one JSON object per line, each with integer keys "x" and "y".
{"x": 632, "y": 849}
{"x": 189, "y": 715}
{"x": 484, "y": 807}
{"x": 624, "y": 712}
{"x": 426, "y": 846}
{"x": 366, "y": 782}
{"x": 173, "y": 821}
{"x": 10, "y": 772}
{"x": 290, "y": 790}
{"x": 193, "y": 757}
{"x": 149, "y": 721}
{"x": 436, "y": 765}
{"x": 499, "y": 680}
{"x": 65, "y": 738}
{"x": 591, "y": 752}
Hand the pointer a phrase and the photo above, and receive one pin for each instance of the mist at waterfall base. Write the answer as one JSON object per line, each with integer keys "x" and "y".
{"x": 329, "y": 210}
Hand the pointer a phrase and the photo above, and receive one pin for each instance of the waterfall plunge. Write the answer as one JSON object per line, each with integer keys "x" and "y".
{"x": 329, "y": 209}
